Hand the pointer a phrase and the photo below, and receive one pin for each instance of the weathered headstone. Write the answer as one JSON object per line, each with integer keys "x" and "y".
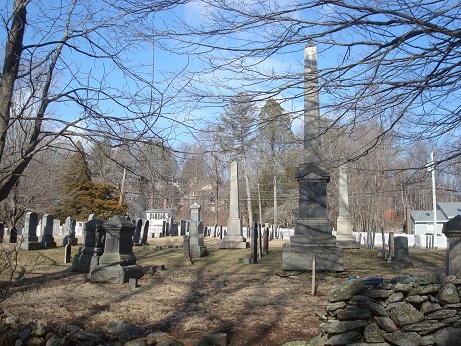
{"x": 145, "y": 232}
{"x": 170, "y": 228}
{"x": 313, "y": 231}
{"x": 183, "y": 227}
{"x": 118, "y": 262}
{"x": 196, "y": 240}
{"x": 67, "y": 253}
{"x": 234, "y": 238}
{"x": 390, "y": 242}
{"x": 30, "y": 241}
{"x": 254, "y": 243}
{"x": 47, "y": 232}
{"x": 344, "y": 236}
{"x": 13, "y": 235}
{"x": 164, "y": 229}
{"x": 99, "y": 245}
{"x": 400, "y": 259}
{"x": 69, "y": 231}
{"x": 186, "y": 250}
{"x": 266, "y": 241}
{"x": 452, "y": 230}
{"x": 82, "y": 261}
{"x": 137, "y": 232}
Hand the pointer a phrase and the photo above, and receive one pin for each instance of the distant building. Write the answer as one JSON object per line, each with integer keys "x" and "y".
{"x": 157, "y": 218}
{"x": 422, "y": 221}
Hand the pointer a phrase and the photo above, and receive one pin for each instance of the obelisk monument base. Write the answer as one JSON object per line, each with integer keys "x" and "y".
{"x": 344, "y": 237}
{"x": 234, "y": 240}
{"x": 313, "y": 231}
{"x": 312, "y": 237}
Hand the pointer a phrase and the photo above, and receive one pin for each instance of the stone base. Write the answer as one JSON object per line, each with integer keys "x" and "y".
{"x": 346, "y": 242}
{"x": 198, "y": 251}
{"x": 300, "y": 258}
{"x": 401, "y": 264}
{"x": 48, "y": 244}
{"x": 116, "y": 274}
{"x": 31, "y": 245}
{"x": 229, "y": 244}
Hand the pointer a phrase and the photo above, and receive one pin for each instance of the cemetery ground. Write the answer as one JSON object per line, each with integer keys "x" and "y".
{"x": 255, "y": 304}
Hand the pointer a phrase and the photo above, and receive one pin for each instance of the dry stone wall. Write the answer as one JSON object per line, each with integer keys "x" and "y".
{"x": 403, "y": 311}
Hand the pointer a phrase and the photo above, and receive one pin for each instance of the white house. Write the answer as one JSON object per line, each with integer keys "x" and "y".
{"x": 422, "y": 221}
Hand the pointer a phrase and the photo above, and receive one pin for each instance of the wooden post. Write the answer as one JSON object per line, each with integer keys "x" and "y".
{"x": 313, "y": 275}
{"x": 260, "y": 247}
{"x": 383, "y": 254}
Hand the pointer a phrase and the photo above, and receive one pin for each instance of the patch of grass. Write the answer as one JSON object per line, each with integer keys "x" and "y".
{"x": 255, "y": 306}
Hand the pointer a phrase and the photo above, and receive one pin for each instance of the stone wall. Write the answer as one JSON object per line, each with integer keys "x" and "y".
{"x": 403, "y": 311}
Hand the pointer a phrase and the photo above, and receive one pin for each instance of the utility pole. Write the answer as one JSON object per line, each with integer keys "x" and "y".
{"x": 434, "y": 200}
{"x": 275, "y": 201}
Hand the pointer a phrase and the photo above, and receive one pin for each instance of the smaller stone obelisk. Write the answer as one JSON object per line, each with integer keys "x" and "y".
{"x": 234, "y": 238}
{"x": 344, "y": 236}
{"x": 196, "y": 239}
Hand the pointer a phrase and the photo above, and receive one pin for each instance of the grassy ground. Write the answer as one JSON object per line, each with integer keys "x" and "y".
{"x": 259, "y": 304}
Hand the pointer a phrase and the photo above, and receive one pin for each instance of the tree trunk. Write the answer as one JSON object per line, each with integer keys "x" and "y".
{"x": 13, "y": 52}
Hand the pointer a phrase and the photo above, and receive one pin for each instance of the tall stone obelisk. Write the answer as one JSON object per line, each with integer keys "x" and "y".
{"x": 234, "y": 238}
{"x": 313, "y": 231}
{"x": 344, "y": 236}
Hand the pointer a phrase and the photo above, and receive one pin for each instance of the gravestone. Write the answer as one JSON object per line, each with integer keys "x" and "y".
{"x": 234, "y": 238}
{"x": 254, "y": 243}
{"x": 196, "y": 237}
{"x": 47, "y": 232}
{"x": 67, "y": 253}
{"x": 69, "y": 231}
{"x": 266, "y": 241}
{"x": 400, "y": 259}
{"x": 145, "y": 232}
{"x": 2, "y": 232}
{"x": 313, "y": 231}
{"x": 118, "y": 262}
{"x": 82, "y": 261}
{"x": 186, "y": 249}
{"x": 344, "y": 236}
{"x": 137, "y": 232}
{"x": 164, "y": 229}
{"x": 99, "y": 244}
{"x": 390, "y": 242}
{"x": 30, "y": 241}
{"x": 452, "y": 230}
{"x": 13, "y": 235}
{"x": 56, "y": 227}
{"x": 183, "y": 227}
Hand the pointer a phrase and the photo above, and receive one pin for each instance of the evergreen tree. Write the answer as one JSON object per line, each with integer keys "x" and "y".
{"x": 85, "y": 197}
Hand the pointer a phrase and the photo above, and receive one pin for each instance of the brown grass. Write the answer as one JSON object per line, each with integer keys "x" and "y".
{"x": 258, "y": 305}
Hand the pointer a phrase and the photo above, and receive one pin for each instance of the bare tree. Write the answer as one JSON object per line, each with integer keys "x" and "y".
{"x": 77, "y": 54}
{"x": 400, "y": 56}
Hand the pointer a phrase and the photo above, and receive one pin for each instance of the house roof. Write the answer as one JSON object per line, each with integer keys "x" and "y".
{"x": 450, "y": 209}
{"x": 425, "y": 216}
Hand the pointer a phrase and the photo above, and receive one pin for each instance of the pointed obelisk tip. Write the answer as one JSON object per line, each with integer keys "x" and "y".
{"x": 310, "y": 43}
